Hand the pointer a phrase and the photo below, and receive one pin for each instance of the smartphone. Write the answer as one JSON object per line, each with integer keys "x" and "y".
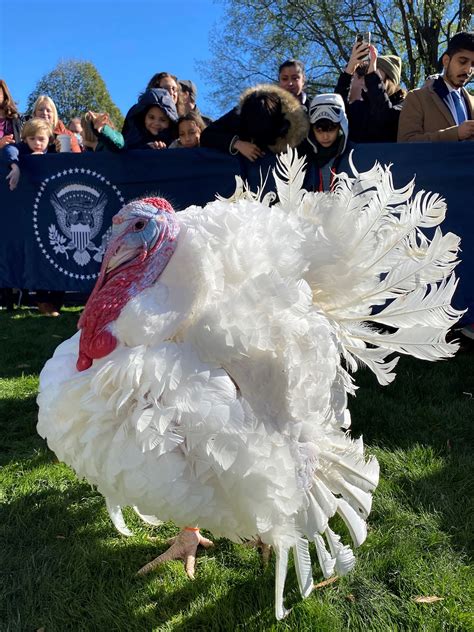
{"x": 365, "y": 38}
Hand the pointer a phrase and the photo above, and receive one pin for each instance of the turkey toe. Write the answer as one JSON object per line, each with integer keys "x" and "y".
{"x": 184, "y": 547}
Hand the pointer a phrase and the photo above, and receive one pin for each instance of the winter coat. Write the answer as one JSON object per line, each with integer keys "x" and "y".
{"x": 135, "y": 134}
{"x": 222, "y": 133}
{"x": 426, "y": 117}
{"x": 305, "y": 101}
{"x": 12, "y": 153}
{"x": 374, "y": 118}
{"x": 16, "y": 124}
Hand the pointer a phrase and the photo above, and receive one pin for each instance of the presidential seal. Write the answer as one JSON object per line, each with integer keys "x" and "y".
{"x": 71, "y": 219}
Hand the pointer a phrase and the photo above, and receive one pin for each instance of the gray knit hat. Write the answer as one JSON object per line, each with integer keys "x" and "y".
{"x": 392, "y": 67}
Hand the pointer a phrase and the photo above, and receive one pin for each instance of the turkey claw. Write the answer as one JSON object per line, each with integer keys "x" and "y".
{"x": 264, "y": 549}
{"x": 183, "y": 547}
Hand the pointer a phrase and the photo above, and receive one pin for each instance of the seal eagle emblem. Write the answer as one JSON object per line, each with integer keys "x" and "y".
{"x": 79, "y": 210}
{"x": 71, "y": 220}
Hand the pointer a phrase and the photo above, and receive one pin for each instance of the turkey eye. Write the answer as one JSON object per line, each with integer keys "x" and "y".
{"x": 139, "y": 225}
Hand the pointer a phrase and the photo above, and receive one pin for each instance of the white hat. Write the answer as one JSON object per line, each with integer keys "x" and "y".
{"x": 331, "y": 107}
{"x": 328, "y": 106}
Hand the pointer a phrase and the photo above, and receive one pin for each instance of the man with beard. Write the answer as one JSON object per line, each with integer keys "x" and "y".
{"x": 443, "y": 110}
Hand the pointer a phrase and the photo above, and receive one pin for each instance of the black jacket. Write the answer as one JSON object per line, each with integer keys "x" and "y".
{"x": 220, "y": 133}
{"x": 13, "y": 153}
{"x": 17, "y": 124}
{"x": 374, "y": 119}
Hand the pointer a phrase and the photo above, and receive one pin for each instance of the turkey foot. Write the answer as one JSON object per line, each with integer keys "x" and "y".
{"x": 264, "y": 549}
{"x": 183, "y": 547}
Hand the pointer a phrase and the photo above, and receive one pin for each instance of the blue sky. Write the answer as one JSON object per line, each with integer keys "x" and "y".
{"x": 127, "y": 41}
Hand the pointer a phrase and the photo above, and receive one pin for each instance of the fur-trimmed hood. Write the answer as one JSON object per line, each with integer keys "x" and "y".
{"x": 293, "y": 112}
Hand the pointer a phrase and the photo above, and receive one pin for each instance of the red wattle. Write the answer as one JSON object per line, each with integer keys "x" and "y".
{"x": 102, "y": 344}
{"x": 115, "y": 288}
{"x": 83, "y": 362}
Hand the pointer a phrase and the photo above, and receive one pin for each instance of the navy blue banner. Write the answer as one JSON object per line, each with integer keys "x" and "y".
{"x": 55, "y": 224}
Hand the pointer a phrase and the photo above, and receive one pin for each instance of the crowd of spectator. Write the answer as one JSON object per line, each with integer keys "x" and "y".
{"x": 368, "y": 105}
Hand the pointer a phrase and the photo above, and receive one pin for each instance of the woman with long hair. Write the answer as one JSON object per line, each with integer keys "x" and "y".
{"x": 10, "y": 130}
{"x": 10, "y": 119}
{"x": 45, "y": 108}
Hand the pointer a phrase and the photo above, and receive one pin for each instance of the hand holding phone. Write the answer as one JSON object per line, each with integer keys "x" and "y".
{"x": 360, "y": 54}
{"x": 364, "y": 38}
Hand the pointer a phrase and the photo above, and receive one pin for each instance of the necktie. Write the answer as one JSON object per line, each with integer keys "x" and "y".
{"x": 460, "y": 114}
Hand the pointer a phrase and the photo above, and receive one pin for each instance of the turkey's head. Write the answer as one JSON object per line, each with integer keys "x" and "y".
{"x": 143, "y": 240}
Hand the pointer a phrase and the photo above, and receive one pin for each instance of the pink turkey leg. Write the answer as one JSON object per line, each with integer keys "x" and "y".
{"x": 184, "y": 548}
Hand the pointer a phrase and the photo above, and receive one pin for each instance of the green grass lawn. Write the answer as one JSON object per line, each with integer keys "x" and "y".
{"x": 64, "y": 567}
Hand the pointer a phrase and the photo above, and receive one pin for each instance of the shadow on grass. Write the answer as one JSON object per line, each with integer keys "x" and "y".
{"x": 28, "y": 339}
{"x": 423, "y": 423}
{"x": 428, "y": 403}
{"x": 63, "y": 567}
{"x": 18, "y": 436}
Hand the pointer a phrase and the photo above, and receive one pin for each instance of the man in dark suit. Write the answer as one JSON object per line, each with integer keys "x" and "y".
{"x": 443, "y": 110}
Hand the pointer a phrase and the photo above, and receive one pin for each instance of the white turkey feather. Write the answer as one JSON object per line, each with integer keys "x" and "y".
{"x": 115, "y": 513}
{"x": 224, "y": 400}
{"x": 356, "y": 525}
{"x": 289, "y": 176}
{"x": 281, "y": 565}
{"x": 342, "y": 553}
{"x": 303, "y": 567}
{"x": 326, "y": 562}
{"x": 430, "y": 302}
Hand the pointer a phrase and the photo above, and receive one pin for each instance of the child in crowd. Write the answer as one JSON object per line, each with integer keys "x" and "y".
{"x": 75, "y": 126}
{"x": 151, "y": 123}
{"x": 99, "y": 133}
{"x": 327, "y": 138}
{"x": 190, "y": 127}
{"x": 36, "y": 136}
{"x": 45, "y": 108}
{"x": 188, "y": 98}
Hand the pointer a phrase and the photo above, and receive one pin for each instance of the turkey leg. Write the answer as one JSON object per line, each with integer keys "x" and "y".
{"x": 183, "y": 547}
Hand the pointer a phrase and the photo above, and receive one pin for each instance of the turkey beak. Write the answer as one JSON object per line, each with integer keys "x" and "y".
{"x": 121, "y": 255}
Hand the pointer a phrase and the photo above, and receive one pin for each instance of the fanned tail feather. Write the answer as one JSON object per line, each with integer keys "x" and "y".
{"x": 378, "y": 258}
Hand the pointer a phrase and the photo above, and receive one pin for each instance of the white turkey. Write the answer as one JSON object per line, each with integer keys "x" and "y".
{"x": 208, "y": 383}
